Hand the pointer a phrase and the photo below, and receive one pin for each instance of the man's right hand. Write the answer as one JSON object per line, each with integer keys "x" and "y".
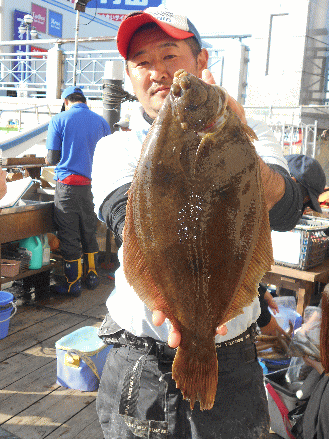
{"x": 174, "y": 338}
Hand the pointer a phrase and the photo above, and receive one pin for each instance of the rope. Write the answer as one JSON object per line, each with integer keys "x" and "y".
{"x": 114, "y": 94}
{"x": 89, "y": 362}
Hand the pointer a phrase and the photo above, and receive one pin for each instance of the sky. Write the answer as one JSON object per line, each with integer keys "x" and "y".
{"x": 226, "y": 17}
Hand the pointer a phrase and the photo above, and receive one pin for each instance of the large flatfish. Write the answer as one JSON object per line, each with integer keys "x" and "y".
{"x": 197, "y": 237}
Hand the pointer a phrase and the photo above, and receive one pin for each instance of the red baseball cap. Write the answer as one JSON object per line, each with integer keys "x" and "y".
{"x": 176, "y": 26}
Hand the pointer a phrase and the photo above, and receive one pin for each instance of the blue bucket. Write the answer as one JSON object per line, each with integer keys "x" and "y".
{"x": 7, "y": 306}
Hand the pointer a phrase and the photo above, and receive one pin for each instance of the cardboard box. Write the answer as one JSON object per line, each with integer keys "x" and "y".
{"x": 9, "y": 267}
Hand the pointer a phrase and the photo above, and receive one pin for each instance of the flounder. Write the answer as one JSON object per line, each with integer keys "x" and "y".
{"x": 197, "y": 237}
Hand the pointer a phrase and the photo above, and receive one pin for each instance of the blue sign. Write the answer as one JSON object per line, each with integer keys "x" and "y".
{"x": 18, "y": 20}
{"x": 55, "y": 23}
{"x": 132, "y": 5}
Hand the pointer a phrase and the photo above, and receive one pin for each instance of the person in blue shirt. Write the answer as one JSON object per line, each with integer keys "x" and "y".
{"x": 71, "y": 141}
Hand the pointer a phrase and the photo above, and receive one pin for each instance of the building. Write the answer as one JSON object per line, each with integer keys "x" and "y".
{"x": 289, "y": 61}
{"x": 58, "y": 25}
{"x": 54, "y": 19}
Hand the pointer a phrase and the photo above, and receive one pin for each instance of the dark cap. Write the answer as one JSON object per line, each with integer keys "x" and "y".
{"x": 70, "y": 90}
{"x": 309, "y": 173}
{"x": 176, "y": 26}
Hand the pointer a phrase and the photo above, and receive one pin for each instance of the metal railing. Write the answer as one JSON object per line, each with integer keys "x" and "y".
{"x": 89, "y": 71}
{"x": 28, "y": 69}
{"x": 296, "y": 139}
{"x": 15, "y": 115}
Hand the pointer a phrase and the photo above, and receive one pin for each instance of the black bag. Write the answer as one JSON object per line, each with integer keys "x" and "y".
{"x": 295, "y": 417}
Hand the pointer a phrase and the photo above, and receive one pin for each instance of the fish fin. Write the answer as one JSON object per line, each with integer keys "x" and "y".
{"x": 196, "y": 377}
{"x": 134, "y": 265}
{"x": 260, "y": 263}
{"x": 249, "y": 131}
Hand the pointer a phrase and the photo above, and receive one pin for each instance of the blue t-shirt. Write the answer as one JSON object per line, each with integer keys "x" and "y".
{"x": 75, "y": 133}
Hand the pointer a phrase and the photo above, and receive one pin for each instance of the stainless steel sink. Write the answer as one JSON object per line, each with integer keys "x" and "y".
{"x": 34, "y": 198}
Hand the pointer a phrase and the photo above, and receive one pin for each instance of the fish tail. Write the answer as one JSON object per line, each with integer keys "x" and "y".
{"x": 196, "y": 377}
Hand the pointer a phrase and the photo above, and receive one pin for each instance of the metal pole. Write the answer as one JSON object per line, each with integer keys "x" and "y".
{"x": 314, "y": 137}
{"x": 112, "y": 84}
{"x": 27, "y": 62}
{"x": 77, "y": 17}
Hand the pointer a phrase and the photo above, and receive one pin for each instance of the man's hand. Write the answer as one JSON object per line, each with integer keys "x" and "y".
{"x": 174, "y": 339}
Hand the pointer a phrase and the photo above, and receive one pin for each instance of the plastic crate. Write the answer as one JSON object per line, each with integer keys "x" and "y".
{"x": 321, "y": 222}
{"x": 313, "y": 244}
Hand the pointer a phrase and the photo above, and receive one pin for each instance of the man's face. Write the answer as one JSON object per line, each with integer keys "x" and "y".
{"x": 154, "y": 57}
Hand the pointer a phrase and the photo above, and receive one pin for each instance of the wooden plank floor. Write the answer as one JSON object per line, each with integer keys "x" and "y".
{"x": 32, "y": 405}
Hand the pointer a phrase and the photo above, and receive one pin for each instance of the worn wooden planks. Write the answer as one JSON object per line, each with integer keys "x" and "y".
{"x": 46, "y": 415}
{"x": 32, "y": 405}
{"x": 83, "y": 425}
{"x": 21, "y": 340}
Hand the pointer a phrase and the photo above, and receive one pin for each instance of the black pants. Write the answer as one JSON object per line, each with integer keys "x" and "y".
{"x": 75, "y": 220}
{"x": 240, "y": 410}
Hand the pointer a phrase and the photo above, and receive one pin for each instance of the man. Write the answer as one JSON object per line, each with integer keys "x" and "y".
{"x": 155, "y": 44}
{"x": 71, "y": 141}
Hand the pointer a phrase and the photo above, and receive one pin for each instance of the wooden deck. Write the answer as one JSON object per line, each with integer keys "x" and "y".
{"x": 32, "y": 405}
